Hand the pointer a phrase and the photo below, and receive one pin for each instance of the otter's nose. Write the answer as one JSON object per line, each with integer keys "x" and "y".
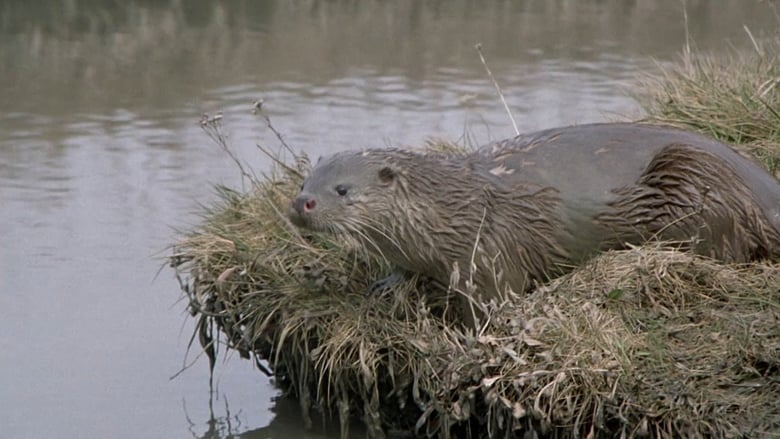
{"x": 303, "y": 204}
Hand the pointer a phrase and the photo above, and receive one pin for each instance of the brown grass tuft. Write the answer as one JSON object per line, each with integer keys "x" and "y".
{"x": 646, "y": 341}
{"x": 733, "y": 97}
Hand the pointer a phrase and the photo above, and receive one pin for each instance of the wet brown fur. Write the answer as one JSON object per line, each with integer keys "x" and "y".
{"x": 532, "y": 216}
{"x": 429, "y": 216}
{"x": 679, "y": 199}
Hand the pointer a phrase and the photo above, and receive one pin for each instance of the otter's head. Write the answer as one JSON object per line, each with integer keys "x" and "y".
{"x": 348, "y": 192}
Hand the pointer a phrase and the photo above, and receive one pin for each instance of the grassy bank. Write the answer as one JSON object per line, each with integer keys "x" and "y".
{"x": 645, "y": 342}
{"x": 733, "y": 97}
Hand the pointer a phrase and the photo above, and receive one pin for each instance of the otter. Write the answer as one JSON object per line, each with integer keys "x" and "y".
{"x": 529, "y": 208}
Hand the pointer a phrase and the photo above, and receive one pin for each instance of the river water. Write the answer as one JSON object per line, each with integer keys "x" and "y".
{"x": 102, "y": 160}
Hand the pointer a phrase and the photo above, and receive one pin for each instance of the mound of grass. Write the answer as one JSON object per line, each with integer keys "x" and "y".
{"x": 734, "y": 97}
{"x": 648, "y": 341}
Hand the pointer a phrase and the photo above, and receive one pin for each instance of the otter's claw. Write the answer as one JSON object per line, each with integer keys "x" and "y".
{"x": 384, "y": 286}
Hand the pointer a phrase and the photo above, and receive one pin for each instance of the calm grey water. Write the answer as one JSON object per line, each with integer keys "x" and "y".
{"x": 101, "y": 158}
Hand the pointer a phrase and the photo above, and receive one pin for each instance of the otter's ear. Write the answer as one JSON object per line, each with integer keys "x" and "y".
{"x": 387, "y": 174}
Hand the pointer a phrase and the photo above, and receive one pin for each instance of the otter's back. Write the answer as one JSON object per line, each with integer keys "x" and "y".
{"x": 587, "y": 164}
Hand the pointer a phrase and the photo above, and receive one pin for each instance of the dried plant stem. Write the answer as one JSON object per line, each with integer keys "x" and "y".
{"x": 257, "y": 108}
{"x": 498, "y": 88}
{"x": 687, "y": 49}
{"x": 212, "y": 126}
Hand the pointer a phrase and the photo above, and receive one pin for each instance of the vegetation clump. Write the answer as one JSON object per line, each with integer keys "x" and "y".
{"x": 733, "y": 97}
{"x": 647, "y": 341}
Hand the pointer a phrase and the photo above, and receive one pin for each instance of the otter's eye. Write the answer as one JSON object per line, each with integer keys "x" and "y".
{"x": 341, "y": 190}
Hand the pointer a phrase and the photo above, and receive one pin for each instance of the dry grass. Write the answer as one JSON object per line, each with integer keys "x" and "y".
{"x": 733, "y": 97}
{"x": 647, "y": 341}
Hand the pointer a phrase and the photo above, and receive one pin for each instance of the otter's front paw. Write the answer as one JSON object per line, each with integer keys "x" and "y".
{"x": 383, "y": 286}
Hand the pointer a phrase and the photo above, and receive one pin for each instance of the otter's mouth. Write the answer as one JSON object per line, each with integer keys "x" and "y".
{"x": 298, "y": 219}
{"x": 308, "y": 222}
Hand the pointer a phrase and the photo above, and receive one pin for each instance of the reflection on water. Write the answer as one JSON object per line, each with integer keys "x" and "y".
{"x": 101, "y": 156}
{"x": 224, "y": 422}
